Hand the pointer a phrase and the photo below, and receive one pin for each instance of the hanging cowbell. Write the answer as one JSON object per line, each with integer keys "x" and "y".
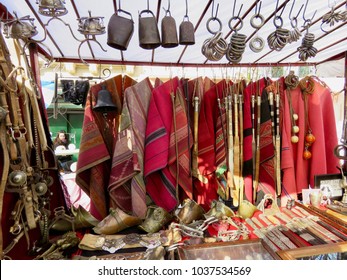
{"x": 104, "y": 103}
{"x": 120, "y": 30}
{"x": 187, "y": 36}
{"x": 148, "y": 31}
{"x": 168, "y": 31}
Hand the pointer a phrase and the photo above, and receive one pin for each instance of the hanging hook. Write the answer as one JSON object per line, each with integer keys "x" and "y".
{"x": 279, "y": 16}
{"x": 240, "y": 22}
{"x": 257, "y": 10}
{"x": 147, "y": 5}
{"x": 331, "y": 4}
{"x": 307, "y": 22}
{"x": 238, "y": 15}
{"x": 119, "y": 5}
{"x": 214, "y": 16}
{"x": 167, "y": 12}
{"x": 186, "y": 9}
{"x": 295, "y": 18}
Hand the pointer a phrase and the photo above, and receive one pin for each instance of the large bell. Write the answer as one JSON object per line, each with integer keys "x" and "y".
{"x": 104, "y": 103}
{"x": 149, "y": 36}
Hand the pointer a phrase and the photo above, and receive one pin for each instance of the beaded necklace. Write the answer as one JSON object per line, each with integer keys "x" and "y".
{"x": 292, "y": 81}
{"x": 307, "y": 88}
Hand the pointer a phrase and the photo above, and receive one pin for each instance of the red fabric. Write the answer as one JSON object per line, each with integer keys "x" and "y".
{"x": 127, "y": 161}
{"x": 99, "y": 134}
{"x": 160, "y": 184}
{"x": 322, "y": 123}
{"x": 178, "y": 162}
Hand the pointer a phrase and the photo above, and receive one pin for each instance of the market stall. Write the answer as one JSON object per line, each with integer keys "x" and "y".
{"x": 177, "y": 164}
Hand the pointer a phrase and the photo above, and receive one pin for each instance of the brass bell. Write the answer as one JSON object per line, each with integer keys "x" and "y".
{"x": 104, "y": 103}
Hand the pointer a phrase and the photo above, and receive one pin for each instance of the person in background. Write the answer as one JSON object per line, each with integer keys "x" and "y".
{"x": 61, "y": 142}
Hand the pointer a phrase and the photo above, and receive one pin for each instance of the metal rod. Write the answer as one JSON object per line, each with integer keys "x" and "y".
{"x": 43, "y": 26}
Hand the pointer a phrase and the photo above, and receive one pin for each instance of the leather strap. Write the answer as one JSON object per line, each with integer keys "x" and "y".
{"x": 4, "y": 174}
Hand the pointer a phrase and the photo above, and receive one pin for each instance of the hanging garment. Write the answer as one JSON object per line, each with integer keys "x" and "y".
{"x": 160, "y": 184}
{"x": 127, "y": 161}
{"x": 179, "y": 151}
{"x": 99, "y": 134}
{"x": 322, "y": 122}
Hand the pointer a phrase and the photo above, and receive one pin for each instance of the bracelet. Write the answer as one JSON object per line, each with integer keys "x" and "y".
{"x": 257, "y": 44}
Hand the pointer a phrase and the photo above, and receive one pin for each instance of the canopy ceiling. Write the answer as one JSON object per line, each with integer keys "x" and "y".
{"x": 64, "y": 47}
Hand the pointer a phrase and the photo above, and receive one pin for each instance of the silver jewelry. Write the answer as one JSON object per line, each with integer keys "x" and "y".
{"x": 254, "y": 24}
{"x": 236, "y": 47}
{"x": 279, "y": 38}
{"x": 215, "y": 47}
{"x": 256, "y": 44}
{"x": 307, "y": 50}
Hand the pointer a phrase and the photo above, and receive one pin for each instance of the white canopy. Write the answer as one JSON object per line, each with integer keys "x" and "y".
{"x": 329, "y": 43}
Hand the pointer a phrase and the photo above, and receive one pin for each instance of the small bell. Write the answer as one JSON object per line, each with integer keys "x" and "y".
{"x": 104, "y": 103}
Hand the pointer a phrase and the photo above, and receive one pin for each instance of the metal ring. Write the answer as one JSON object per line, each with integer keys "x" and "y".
{"x": 340, "y": 151}
{"x": 238, "y": 28}
{"x": 275, "y": 21}
{"x": 294, "y": 22}
{"x": 257, "y": 44}
{"x": 254, "y": 25}
{"x": 208, "y": 25}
